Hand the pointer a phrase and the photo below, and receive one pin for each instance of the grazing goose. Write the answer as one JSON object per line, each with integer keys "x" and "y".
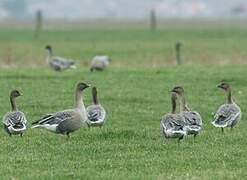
{"x": 14, "y": 121}
{"x": 172, "y": 124}
{"x": 193, "y": 119}
{"x": 58, "y": 63}
{"x": 99, "y": 63}
{"x": 67, "y": 121}
{"x": 95, "y": 113}
{"x": 228, "y": 114}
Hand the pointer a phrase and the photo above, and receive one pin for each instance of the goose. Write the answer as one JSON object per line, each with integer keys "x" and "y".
{"x": 96, "y": 113}
{"x": 99, "y": 63}
{"x": 193, "y": 119}
{"x": 58, "y": 63}
{"x": 228, "y": 114}
{"x": 14, "y": 121}
{"x": 172, "y": 124}
{"x": 67, "y": 121}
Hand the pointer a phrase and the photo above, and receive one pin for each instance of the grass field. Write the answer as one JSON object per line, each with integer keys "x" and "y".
{"x": 134, "y": 91}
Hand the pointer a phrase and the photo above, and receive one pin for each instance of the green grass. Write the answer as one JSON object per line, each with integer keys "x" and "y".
{"x": 135, "y": 97}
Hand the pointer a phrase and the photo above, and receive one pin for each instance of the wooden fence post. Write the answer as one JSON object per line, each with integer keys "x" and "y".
{"x": 178, "y": 55}
{"x": 38, "y": 23}
{"x": 153, "y": 21}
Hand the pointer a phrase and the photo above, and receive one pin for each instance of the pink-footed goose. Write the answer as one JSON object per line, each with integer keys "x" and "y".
{"x": 172, "y": 124}
{"x": 228, "y": 114}
{"x": 58, "y": 63}
{"x": 100, "y": 63}
{"x": 67, "y": 121}
{"x": 193, "y": 119}
{"x": 96, "y": 113}
{"x": 14, "y": 121}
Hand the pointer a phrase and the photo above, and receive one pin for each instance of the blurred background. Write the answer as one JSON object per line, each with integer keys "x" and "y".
{"x": 141, "y": 33}
{"x": 124, "y": 11}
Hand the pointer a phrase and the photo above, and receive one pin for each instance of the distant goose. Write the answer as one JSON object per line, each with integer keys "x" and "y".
{"x": 67, "y": 121}
{"x": 100, "y": 63}
{"x": 228, "y": 114}
{"x": 193, "y": 119}
{"x": 15, "y": 120}
{"x": 96, "y": 113}
{"x": 58, "y": 63}
{"x": 172, "y": 124}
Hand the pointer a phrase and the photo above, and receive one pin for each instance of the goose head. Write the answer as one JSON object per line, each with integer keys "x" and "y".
{"x": 178, "y": 90}
{"x": 48, "y": 47}
{"x": 15, "y": 94}
{"x": 224, "y": 86}
{"x": 81, "y": 86}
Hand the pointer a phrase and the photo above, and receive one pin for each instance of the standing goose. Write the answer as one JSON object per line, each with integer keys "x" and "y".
{"x": 67, "y": 121}
{"x": 95, "y": 113}
{"x": 172, "y": 124}
{"x": 99, "y": 63}
{"x": 228, "y": 114}
{"x": 14, "y": 121}
{"x": 58, "y": 63}
{"x": 193, "y": 119}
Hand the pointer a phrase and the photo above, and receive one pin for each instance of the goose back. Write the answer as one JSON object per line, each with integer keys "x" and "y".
{"x": 96, "y": 115}
{"x": 173, "y": 126}
{"x": 228, "y": 115}
{"x": 15, "y": 122}
{"x": 193, "y": 121}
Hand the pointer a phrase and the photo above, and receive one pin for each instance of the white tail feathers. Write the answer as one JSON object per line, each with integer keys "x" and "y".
{"x": 219, "y": 125}
{"x": 73, "y": 67}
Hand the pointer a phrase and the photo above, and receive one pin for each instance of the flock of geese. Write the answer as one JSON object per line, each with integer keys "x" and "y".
{"x": 187, "y": 122}
{"x": 98, "y": 63}
{"x": 62, "y": 122}
{"x": 173, "y": 124}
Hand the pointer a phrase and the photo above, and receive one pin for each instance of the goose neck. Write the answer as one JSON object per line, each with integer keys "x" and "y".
{"x": 229, "y": 96}
{"x": 95, "y": 97}
{"x": 183, "y": 104}
{"x": 173, "y": 102}
{"x": 79, "y": 100}
{"x": 13, "y": 103}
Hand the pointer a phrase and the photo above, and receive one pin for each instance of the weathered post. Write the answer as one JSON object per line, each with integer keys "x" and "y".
{"x": 153, "y": 21}
{"x": 178, "y": 55}
{"x": 38, "y": 23}
{"x": 7, "y": 56}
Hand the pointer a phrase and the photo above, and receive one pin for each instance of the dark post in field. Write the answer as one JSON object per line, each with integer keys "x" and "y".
{"x": 178, "y": 55}
{"x": 38, "y": 23}
{"x": 153, "y": 21}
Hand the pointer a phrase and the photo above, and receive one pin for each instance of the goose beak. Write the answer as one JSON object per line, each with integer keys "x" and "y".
{"x": 219, "y": 86}
{"x": 172, "y": 91}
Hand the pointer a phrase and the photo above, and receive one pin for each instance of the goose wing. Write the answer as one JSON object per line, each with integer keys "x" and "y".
{"x": 96, "y": 113}
{"x": 173, "y": 124}
{"x": 55, "y": 119}
{"x": 59, "y": 63}
{"x": 15, "y": 119}
{"x": 226, "y": 114}
{"x": 192, "y": 118}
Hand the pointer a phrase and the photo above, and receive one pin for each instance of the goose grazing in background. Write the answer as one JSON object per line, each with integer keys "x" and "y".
{"x": 67, "y": 121}
{"x": 58, "y": 63}
{"x": 193, "y": 119}
{"x": 14, "y": 121}
{"x": 96, "y": 113}
{"x": 228, "y": 114}
{"x": 172, "y": 124}
{"x": 99, "y": 63}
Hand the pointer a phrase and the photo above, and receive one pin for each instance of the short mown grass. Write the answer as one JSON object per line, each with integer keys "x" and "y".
{"x": 135, "y": 96}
